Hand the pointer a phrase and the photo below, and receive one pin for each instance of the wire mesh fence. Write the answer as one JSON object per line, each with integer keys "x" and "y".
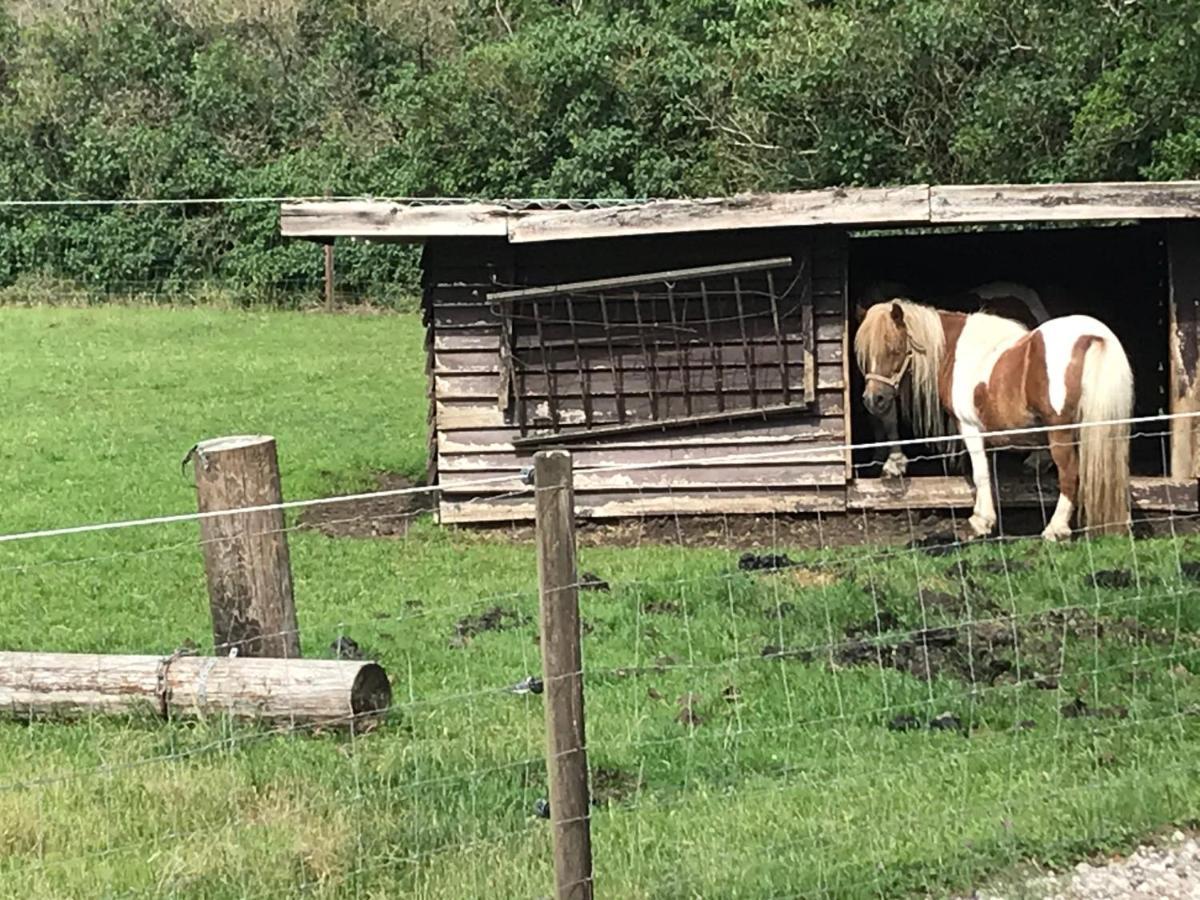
{"x": 858, "y": 704}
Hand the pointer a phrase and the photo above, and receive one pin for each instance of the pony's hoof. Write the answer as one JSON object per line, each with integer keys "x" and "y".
{"x": 896, "y": 466}
{"x": 1056, "y": 533}
{"x": 980, "y": 526}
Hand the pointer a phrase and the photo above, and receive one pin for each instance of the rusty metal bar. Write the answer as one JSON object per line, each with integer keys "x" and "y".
{"x": 618, "y": 374}
{"x": 779, "y": 342}
{"x": 651, "y": 362}
{"x": 747, "y": 347}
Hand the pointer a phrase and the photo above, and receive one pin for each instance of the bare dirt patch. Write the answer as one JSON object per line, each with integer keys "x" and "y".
{"x": 371, "y": 516}
{"x": 938, "y": 533}
{"x": 982, "y": 652}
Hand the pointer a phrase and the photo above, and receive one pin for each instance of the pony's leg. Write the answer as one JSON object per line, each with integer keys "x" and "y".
{"x": 984, "y": 518}
{"x": 1038, "y": 461}
{"x": 1066, "y": 458}
{"x": 887, "y": 428}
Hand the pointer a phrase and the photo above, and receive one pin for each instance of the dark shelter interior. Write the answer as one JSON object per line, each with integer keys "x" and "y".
{"x": 1116, "y": 274}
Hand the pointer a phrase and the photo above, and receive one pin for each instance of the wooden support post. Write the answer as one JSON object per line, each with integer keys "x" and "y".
{"x": 328, "y": 248}
{"x": 246, "y": 554}
{"x": 328, "y": 276}
{"x": 562, "y": 667}
{"x": 1183, "y": 377}
{"x": 272, "y": 690}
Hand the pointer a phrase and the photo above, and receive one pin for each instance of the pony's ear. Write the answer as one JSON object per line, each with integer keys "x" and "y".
{"x": 898, "y": 314}
{"x": 860, "y": 313}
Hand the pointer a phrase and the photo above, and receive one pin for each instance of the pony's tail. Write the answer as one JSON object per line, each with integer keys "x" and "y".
{"x": 1106, "y": 394}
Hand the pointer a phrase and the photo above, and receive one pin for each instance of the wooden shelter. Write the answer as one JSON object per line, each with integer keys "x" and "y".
{"x": 695, "y": 354}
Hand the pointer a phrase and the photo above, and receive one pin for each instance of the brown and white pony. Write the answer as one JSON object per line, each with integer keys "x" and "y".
{"x": 991, "y": 374}
{"x": 888, "y": 409}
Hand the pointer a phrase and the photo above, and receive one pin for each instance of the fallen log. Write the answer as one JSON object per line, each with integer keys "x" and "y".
{"x": 297, "y": 691}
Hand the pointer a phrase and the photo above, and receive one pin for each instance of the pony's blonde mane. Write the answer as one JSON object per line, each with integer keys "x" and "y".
{"x": 878, "y": 336}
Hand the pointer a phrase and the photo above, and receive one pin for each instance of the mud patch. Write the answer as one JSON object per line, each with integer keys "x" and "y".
{"x": 496, "y": 618}
{"x": 940, "y": 543}
{"x": 662, "y": 608}
{"x": 764, "y": 562}
{"x": 589, "y": 581}
{"x": 1078, "y": 709}
{"x": 371, "y": 517}
{"x": 1111, "y": 578}
{"x": 611, "y": 785}
{"x": 984, "y": 652}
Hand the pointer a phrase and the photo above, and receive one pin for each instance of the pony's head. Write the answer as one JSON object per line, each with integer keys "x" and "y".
{"x": 899, "y": 348}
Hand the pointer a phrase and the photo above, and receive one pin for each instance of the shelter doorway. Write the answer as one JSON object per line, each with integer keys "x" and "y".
{"x": 1117, "y": 274}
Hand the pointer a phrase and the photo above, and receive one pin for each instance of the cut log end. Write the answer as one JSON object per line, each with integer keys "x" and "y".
{"x": 233, "y": 442}
{"x": 371, "y": 693}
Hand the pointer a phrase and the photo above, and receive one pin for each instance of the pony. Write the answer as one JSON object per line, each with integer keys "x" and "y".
{"x": 993, "y": 374}
{"x": 1002, "y": 298}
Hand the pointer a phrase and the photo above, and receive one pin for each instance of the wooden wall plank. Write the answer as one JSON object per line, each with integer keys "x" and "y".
{"x": 938, "y": 492}
{"x": 829, "y": 329}
{"x": 474, "y": 362}
{"x": 621, "y": 505}
{"x": 683, "y": 478}
{"x": 472, "y": 414}
{"x": 569, "y": 387}
{"x": 499, "y": 440}
{"x": 775, "y": 454}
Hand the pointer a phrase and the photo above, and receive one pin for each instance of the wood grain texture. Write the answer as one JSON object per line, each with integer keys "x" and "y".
{"x": 907, "y": 205}
{"x": 474, "y": 439}
{"x": 665, "y": 503}
{"x": 246, "y": 559}
{"x": 562, "y": 671}
{"x": 1183, "y": 372}
{"x": 830, "y": 206}
{"x": 274, "y": 690}
{"x": 1064, "y": 202}
{"x": 382, "y": 220}
{"x": 939, "y": 492}
{"x": 712, "y": 476}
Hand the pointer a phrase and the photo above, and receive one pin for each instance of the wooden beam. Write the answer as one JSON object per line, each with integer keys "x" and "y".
{"x": 1064, "y": 202}
{"x": 1183, "y": 351}
{"x": 831, "y": 206}
{"x": 609, "y": 506}
{"x": 381, "y": 220}
{"x": 729, "y": 415}
{"x": 609, "y": 284}
{"x": 941, "y": 492}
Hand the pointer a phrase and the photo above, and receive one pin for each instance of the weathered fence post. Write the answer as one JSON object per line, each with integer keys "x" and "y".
{"x": 328, "y": 248}
{"x": 562, "y": 669}
{"x": 246, "y": 554}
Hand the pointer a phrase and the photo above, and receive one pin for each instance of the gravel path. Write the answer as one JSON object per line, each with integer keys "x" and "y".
{"x": 1169, "y": 871}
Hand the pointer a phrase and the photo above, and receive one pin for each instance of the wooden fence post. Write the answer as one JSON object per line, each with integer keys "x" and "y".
{"x": 246, "y": 554}
{"x": 562, "y": 669}
{"x": 328, "y": 250}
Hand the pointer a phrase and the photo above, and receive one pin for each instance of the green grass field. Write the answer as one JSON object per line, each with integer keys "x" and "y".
{"x": 785, "y": 780}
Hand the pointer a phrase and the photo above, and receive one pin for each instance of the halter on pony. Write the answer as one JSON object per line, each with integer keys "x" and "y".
{"x": 894, "y": 381}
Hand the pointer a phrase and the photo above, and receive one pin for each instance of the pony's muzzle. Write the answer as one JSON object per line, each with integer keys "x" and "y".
{"x": 878, "y": 398}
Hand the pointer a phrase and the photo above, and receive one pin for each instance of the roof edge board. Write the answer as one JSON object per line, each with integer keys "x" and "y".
{"x": 830, "y": 206}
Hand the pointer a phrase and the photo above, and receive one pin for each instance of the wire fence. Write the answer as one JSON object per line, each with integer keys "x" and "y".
{"x": 831, "y": 705}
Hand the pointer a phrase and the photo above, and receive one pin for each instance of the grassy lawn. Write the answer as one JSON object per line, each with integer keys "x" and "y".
{"x": 739, "y": 737}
